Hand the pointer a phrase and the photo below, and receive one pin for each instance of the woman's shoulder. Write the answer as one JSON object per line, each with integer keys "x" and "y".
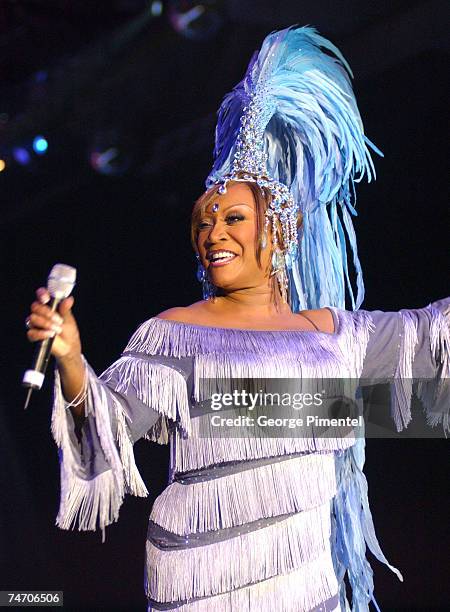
{"x": 184, "y": 314}
{"x": 171, "y": 314}
{"x": 321, "y": 318}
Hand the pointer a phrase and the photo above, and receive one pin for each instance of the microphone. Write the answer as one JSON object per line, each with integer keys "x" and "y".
{"x": 60, "y": 283}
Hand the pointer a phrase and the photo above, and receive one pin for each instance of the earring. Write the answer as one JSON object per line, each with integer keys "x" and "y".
{"x": 279, "y": 270}
{"x": 208, "y": 288}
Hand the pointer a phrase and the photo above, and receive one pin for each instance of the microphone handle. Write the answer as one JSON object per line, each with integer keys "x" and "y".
{"x": 42, "y": 355}
{"x": 34, "y": 378}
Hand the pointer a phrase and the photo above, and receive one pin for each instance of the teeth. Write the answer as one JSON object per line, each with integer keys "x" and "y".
{"x": 221, "y": 255}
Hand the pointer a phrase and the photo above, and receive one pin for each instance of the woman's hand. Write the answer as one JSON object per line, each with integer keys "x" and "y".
{"x": 43, "y": 323}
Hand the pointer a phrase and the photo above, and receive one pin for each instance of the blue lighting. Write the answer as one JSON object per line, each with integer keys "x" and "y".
{"x": 156, "y": 8}
{"x": 21, "y": 156}
{"x": 41, "y": 76}
{"x": 40, "y": 145}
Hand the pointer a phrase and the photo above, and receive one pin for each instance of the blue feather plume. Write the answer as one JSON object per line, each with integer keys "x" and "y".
{"x": 316, "y": 146}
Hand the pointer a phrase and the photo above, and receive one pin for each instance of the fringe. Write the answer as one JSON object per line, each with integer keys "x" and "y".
{"x": 352, "y": 527}
{"x": 221, "y": 354}
{"x": 355, "y": 329}
{"x": 247, "y": 558}
{"x": 401, "y": 390}
{"x": 159, "y": 386}
{"x": 286, "y": 487}
{"x": 222, "y": 373}
{"x": 302, "y": 355}
{"x": 299, "y": 591}
{"x": 306, "y": 355}
{"x": 195, "y": 453}
{"x": 98, "y": 499}
{"x": 435, "y": 394}
{"x": 440, "y": 336}
{"x": 176, "y": 339}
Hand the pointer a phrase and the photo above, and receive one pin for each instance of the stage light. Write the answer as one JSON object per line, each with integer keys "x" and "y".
{"x": 41, "y": 76}
{"x": 195, "y": 20}
{"x": 2, "y": 165}
{"x": 40, "y": 145}
{"x": 21, "y": 156}
{"x": 156, "y": 8}
{"x": 109, "y": 153}
{"x": 104, "y": 162}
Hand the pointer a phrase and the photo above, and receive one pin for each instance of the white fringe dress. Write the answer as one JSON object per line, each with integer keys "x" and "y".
{"x": 251, "y": 523}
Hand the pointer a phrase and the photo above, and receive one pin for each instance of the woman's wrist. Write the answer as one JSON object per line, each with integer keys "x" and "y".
{"x": 69, "y": 360}
{"x": 73, "y": 374}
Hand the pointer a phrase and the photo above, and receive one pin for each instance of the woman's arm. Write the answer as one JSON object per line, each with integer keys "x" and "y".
{"x": 97, "y": 420}
{"x": 411, "y": 343}
{"x": 72, "y": 371}
{"x": 406, "y": 347}
{"x": 134, "y": 398}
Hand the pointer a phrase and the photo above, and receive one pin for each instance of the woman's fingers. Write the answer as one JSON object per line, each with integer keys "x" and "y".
{"x": 34, "y": 335}
{"x": 43, "y": 295}
{"x": 46, "y": 312}
{"x": 39, "y": 308}
{"x": 41, "y": 322}
{"x": 66, "y": 306}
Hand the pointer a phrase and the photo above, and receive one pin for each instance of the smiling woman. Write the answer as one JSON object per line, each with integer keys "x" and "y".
{"x": 252, "y": 522}
{"x": 230, "y": 237}
{"x": 232, "y": 222}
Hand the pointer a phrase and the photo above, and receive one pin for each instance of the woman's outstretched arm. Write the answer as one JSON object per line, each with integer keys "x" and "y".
{"x": 410, "y": 350}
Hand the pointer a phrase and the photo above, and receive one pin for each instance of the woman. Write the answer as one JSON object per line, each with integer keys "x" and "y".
{"x": 245, "y": 522}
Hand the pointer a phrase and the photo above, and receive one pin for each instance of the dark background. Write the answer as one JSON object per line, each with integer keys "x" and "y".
{"x": 92, "y": 76}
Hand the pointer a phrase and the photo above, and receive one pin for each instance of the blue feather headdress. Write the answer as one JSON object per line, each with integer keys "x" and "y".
{"x": 292, "y": 125}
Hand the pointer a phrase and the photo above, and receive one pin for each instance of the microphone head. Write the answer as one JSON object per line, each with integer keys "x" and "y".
{"x": 61, "y": 281}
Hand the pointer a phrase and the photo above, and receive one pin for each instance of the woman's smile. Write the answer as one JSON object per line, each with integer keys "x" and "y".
{"x": 220, "y": 258}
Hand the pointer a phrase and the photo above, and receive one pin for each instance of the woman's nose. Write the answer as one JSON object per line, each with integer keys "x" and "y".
{"x": 217, "y": 232}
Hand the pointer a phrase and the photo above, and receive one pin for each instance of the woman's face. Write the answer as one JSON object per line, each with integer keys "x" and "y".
{"x": 227, "y": 234}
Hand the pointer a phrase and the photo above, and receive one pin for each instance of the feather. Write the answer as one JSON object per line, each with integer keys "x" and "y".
{"x": 315, "y": 144}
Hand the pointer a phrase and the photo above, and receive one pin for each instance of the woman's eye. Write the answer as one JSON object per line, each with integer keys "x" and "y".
{"x": 230, "y": 219}
{"x": 203, "y": 225}
{"x": 235, "y": 217}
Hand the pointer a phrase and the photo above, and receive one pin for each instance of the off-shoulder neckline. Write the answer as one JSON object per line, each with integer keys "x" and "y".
{"x": 337, "y": 326}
